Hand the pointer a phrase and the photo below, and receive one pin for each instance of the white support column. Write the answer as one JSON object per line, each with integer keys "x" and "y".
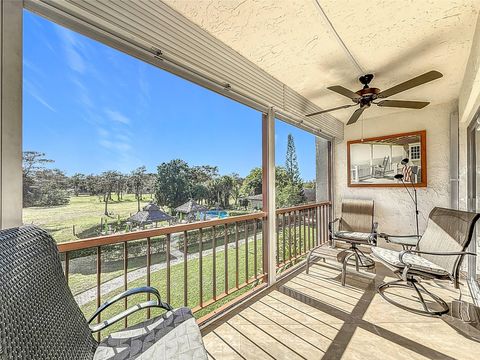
{"x": 268, "y": 191}
{"x": 11, "y": 42}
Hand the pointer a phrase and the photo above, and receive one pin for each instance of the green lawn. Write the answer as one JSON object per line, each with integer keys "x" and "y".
{"x": 158, "y": 280}
{"x": 84, "y": 212}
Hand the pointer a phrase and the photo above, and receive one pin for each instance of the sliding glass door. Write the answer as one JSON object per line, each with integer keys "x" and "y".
{"x": 473, "y": 154}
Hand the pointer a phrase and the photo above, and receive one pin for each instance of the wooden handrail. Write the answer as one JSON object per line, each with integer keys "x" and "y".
{"x": 150, "y": 233}
{"x": 143, "y": 234}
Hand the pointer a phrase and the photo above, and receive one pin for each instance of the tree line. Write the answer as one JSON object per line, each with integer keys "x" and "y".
{"x": 174, "y": 183}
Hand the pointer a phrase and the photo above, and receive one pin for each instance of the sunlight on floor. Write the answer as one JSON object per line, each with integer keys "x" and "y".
{"x": 313, "y": 316}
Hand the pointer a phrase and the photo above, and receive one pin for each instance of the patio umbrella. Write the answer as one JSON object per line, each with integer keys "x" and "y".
{"x": 191, "y": 206}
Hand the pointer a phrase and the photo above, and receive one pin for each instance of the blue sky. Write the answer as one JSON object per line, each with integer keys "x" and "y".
{"x": 92, "y": 108}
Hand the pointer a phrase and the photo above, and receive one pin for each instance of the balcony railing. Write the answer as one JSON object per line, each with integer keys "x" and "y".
{"x": 202, "y": 265}
{"x": 299, "y": 229}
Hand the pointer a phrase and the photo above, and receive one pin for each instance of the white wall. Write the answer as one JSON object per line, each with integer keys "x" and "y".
{"x": 394, "y": 209}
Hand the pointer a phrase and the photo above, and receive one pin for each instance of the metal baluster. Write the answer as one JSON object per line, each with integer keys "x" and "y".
{"x": 214, "y": 270}
{"x": 125, "y": 277}
{"x": 245, "y": 227}
{"x": 294, "y": 234}
{"x": 168, "y": 267}
{"x": 200, "y": 267}
{"x": 149, "y": 259}
{"x": 236, "y": 255}
{"x": 99, "y": 295}
{"x": 277, "y": 223}
{"x": 225, "y": 229}
{"x": 255, "y": 248}
{"x": 185, "y": 275}
{"x": 284, "y": 236}
{"x": 290, "y": 236}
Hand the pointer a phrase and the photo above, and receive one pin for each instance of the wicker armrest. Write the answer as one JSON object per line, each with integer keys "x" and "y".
{"x": 456, "y": 253}
{"x": 148, "y": 304}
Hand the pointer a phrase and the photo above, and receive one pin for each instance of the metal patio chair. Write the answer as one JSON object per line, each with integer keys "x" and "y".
{"x": 39, "y": 318}
{"x": 355, "y": 227}
{"x": 438, "y": 255}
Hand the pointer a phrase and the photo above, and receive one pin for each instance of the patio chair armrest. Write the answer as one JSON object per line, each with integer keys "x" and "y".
{"x": 387, "y": 236}
{"x": 145, "y": 305}
{"x": 331, "y": 223}
{"x": 454, "y": 253}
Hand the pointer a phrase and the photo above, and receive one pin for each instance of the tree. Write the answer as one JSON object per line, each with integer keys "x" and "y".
{"x": 108, "y": 181}
{"x": 291, "y": 193}
{"x": 224, "y": 190}
{"x": 252, "y": 185}
{"x": 120, "y": 185}
{"x": 200, "y": 192}
{"x": 93, "y": 184}
{"x": 291, "y": 163}
{"x": 78, "y": 183}
{"x": 311, "y": 184}
{"x": 138, "y": 179}
{"x": 41, "y": 186}
{"x": 51, "y": 188}
{"x": 237, "y": 182}
{"x": 172, "y": 186}
{"x": 32, "y": 161}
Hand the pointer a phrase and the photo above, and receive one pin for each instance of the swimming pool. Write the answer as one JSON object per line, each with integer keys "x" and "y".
{"x": 214, "y": 214}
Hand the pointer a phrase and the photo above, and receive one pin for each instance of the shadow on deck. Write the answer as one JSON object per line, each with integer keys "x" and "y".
{"x": 313, "y": 317}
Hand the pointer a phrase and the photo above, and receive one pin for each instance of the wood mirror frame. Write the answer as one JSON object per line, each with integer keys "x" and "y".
{"x": 384, "y": 139}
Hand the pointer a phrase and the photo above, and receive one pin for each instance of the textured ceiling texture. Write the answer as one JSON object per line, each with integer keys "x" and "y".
{"x": 300, "y": 43}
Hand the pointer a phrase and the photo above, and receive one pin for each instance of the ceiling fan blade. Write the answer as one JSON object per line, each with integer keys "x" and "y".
{"x": 344, "y": 91}
{"x": 416, "y": 81}
{"x": 332, "y": 109}
{"x": 353, "y": 119}
{"x": 403, "y": 104}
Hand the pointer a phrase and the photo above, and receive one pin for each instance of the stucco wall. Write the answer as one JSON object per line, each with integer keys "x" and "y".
{"x": 394, "y": 209}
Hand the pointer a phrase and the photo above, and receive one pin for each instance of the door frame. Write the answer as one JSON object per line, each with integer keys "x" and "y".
{"x": 472, "y": 276}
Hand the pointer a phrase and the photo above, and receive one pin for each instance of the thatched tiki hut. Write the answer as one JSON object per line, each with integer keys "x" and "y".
{"x": 191, "y": 208}
{"x": 150, "y": 214}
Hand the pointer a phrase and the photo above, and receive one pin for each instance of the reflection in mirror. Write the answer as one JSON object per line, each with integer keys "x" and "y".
{"x": 376, "y": 161}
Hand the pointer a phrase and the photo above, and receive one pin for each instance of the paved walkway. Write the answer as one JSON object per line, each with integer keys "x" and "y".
{"x": 117, "y": 283}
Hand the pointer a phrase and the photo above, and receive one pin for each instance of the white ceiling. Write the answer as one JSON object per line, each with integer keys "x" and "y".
{"x": 395, "y": 40}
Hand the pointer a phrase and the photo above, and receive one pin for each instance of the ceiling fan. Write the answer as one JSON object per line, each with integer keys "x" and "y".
{"x": 367, "y": 96}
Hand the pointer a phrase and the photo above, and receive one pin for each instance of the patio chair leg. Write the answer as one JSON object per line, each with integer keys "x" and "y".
{"x": 344, "y": 266}
{"x": 308, "y": 258}
{"x": 420, "y": 297}
{"x": 364, "y": 259}
{"x": 419, "y": 288}
{"x": 356, "y": 261}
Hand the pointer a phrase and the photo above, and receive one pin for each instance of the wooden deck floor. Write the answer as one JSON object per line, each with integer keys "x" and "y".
{"x": 313, "y": 317}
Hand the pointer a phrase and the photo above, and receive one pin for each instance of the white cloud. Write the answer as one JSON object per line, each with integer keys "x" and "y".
{"x": 102, "y": 132}
{"x": 117, "y": 146}
{"x": 117, "y": 116}
{"x": 33, "y": 92}
{"x": 73, "y": 46}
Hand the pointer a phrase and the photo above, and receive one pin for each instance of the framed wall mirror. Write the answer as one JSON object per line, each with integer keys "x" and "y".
{"x": 374, "y": 162}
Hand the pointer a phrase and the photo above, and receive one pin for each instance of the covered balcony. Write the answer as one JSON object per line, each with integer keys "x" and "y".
{"x": 270, "y": 279}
